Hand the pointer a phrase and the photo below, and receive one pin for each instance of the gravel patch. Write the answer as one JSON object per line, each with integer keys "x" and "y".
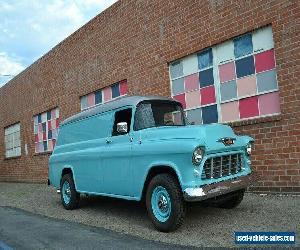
{"x": 204, "y": 226}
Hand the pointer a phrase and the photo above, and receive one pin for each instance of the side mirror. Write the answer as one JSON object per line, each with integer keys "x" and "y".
{"x": 122, "y": 127}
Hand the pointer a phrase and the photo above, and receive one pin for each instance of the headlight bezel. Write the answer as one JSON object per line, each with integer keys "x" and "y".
{"x": 198, "y": 155}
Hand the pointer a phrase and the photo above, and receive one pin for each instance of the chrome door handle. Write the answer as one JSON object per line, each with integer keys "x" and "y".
{"x": 108, "y": 141}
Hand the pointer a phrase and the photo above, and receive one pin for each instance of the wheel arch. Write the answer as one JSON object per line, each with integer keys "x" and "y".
{"x": 159, "y": 169}
{"x": 68, "y": 170}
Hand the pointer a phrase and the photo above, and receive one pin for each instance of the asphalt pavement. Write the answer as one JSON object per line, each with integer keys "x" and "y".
{"x": 24, "y": 230}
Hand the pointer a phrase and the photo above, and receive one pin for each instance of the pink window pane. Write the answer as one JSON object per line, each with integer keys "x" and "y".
{"x": 208, "y": 95}
{"x": 53, "y": 124}
{"x": 123, "y": 87}
{"x": 40, "y": 136}
{"x": 269, "y": 103}
{"x": 53, "y": 114}
{"x": 181, "y": 99}
{"x": 246, "y": 86}
{"x": 50, "y": 145}
{"x": 192, "y": 99}
{"x": 265, "y": 61}
{"x": 191, "y": 82}
{"x": 227, "y": 72}
{"x": 49, "y": 125}
{"x": 230, "y": 111}
{"x": 56, "y": 123}
{"x": 107, "y": 94}
{"x": 40, "y": 128}
{"x": 91, "y": 99}
{"x": 248, "y": 107}
{"x": 36, "y": 138}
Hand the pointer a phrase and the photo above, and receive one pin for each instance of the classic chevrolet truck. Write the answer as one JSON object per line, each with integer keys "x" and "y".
{"x": 142, "y": 148}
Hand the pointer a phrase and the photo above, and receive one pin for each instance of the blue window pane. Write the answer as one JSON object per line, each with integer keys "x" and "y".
{"x": 245, "y": 66}
{"x": 115, "y": 90}
{"x": 243, "y": 45}
{"x": 48, "y": 115}
{"x": 44, "y": 126}
{"x": 39, "y": 118}
{"x": 98, "y": 97}
{"x": 206, "y": 78}
{"x": 205, "y": 59}
{"x": 176, "y": 69}
{"x": 45, "y": 145}
{"x": 50, "y": 134}
{"x": 210, "y": 114}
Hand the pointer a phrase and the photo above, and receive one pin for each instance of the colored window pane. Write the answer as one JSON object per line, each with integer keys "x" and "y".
{"x": 245, "y": 66}
{"x": 227, "y": 72}
{"x": 194, "y": 116}
{"x": 246, "y": 86}
{"x": 192, "y": 99}
{"x": 210, "y": 114}
{"x": 49, "y": 125}
{"x": 206, "y": 78}
{"x": 84, "y": 102}
{"x": 115, "y": 90}
{"x": 208, "y": 95}
{"x": 39, "y": 118}
{"x": 266, "y": 81}
{"x": 50, "y": 145}
{"x": 98, "y": 97}
{"x": 45, "y": 145}
{"x": 44, "y": 126}
{"x": 49, "y": 134}
{"x": 48, "y": 115}
{"x": 107, "y": 94}
{"x": 205, "y": 59}
{"x": 190, "y": 65}
{"x": 178, "y": 86}
{"x": 248, "y": 107}
{"x": 243, "y": 45}
{"x": 176, "y": 69}
{"x": 191, "y": 82}
{"x": 41, "y": 147}
{"x": 91, "y": 99}
{"x": 53, "y": 114}
{"x": 181, "y": 99}
{"x": 36, "y": 129}
{"x": 269, "y": 103}
{"x": 228, "y": 90}
{"x": 265, "y": 61}
{"x": 35, "y": 119}
{"x": 123, "y": 87}
{"x": 230, "y": 111}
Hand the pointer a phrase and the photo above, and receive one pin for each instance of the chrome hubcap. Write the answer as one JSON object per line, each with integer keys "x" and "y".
{"x": 163, "y": 203}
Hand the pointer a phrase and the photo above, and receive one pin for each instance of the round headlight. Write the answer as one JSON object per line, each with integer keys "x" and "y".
{"x": 249, "y": 149}
{"x": 197, "y": 155}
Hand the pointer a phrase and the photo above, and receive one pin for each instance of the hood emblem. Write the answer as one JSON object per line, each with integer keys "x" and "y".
{"x": 227, "y": 141}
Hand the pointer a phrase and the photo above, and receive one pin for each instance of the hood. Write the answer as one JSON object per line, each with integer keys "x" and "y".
{"x": 205, "y": 135}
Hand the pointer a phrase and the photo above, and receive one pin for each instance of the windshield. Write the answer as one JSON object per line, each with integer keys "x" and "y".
{"x": 158, "y": 113}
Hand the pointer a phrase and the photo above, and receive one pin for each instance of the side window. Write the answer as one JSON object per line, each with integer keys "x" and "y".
{"x": 122, "y": 116}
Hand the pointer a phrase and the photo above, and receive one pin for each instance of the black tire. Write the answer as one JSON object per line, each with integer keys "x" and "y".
{"x": 74, "y": 195}
{"x": 178, "y": 205}
{"x": 233, "y": 201}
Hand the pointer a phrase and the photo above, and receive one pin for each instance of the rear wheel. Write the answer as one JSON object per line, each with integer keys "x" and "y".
{"x": 165, "y": 204}
{"x": 69, "y": 196}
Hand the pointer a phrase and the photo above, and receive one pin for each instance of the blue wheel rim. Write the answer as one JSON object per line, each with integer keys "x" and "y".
{"x": 161, "y": 204}
{"x": 66, "y": 192}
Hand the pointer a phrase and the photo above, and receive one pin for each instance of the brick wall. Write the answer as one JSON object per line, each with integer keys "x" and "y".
{"x": 135, "y": 40}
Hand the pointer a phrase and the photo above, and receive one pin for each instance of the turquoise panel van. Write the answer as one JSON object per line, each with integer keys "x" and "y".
{"x": 143, "y": 149}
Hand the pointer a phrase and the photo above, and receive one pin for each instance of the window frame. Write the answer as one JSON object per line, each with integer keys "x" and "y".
{"x": 13, "y": 141}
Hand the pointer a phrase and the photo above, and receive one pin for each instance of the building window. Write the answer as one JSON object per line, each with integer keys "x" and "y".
{"x": 46, "y": 130}
{"x": 104, "y": 95}
{"x": 12, "y": 141}
{"x": 231, "y": 81}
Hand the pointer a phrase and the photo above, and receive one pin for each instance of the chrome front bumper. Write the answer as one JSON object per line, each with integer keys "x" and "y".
{"x": 216, "y": 189}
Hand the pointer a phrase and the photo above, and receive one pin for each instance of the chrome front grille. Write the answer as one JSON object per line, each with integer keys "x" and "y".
{"x": 220, "y": 166}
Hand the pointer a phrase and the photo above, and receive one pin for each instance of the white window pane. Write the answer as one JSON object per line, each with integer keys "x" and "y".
{"x": 18, "y": 151}
{"x": 44, "y": 117}
{"x": 263, "y": 39}
{"x": 190, "y": 64}
{"x": 57, "y": 112}
{"x": 225, "y": 52}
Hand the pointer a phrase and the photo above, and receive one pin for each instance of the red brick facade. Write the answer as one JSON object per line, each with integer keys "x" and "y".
{"x": 135, "y": 40}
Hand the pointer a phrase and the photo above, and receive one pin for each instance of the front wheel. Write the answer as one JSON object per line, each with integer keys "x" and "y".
{"x": 69, "y": 196}
{"x": 165, "y": 204}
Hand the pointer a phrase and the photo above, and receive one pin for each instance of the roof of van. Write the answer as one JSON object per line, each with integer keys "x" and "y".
{"x": 117, "y": 103}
